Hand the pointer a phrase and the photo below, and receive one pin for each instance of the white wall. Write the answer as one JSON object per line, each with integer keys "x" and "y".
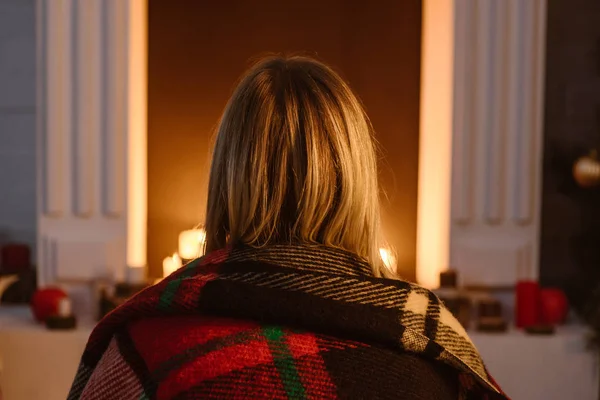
{"x": 17, "y": 121}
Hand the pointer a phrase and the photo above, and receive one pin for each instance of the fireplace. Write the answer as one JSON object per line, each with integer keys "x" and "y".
{"x": 122, "y": 158}
{"x": 198, "y": 50}
{"x": 129, "y": 93}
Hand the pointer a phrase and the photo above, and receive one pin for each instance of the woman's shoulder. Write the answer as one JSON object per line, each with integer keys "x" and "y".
{"x": 276, "y": 317}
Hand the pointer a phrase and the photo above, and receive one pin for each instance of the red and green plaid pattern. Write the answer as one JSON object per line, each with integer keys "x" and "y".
{"x": 217, "y": 357}
{"x": 287, "y": 322}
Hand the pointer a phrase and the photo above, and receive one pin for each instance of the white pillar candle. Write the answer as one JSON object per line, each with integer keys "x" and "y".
{"x": 191, "y": 243}
{"x": 171, "y": 264}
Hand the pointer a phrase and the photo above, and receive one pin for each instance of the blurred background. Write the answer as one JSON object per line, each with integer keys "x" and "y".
{"x": 487, "y": 117}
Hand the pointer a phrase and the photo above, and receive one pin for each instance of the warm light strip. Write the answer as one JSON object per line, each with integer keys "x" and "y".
{"x": 137, "y": 17}
{"x": 435, "y": 140}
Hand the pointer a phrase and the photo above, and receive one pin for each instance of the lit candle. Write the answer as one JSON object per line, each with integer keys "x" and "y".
{"x": 171, "y": 264}
{"x": 388, "y": 258}
{"x": 191, "y": 243}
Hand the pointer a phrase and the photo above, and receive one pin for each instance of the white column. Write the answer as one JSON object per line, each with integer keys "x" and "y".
{"x": 91, "y": 139}
{"x": 481, "y": 139}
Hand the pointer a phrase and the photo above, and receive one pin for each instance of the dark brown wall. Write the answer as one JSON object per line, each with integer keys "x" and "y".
{"x": 382, "y": 50}
{"x": 570, "y": 237}
{"x": 196, "y": 53}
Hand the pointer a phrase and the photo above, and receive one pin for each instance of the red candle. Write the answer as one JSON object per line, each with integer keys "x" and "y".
{"x": 14, "y": 257}
{"x": 527, "y": 304}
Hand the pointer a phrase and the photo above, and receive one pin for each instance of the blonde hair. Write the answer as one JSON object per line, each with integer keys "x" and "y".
{"x": 294, "y": 162}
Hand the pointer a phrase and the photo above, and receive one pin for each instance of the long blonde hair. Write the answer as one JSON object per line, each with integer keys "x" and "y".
{"x": 294, "y": 162}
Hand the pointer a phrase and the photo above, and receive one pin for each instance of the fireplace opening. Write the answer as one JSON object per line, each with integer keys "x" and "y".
{"x": 197, "y": 51}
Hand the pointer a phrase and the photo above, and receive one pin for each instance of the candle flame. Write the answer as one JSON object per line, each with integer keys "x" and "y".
{"x": 388, "y": 258}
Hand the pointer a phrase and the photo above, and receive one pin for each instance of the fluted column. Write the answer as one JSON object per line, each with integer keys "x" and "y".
{"x": 481, "y": 139}
{"x": 91, "y": 139}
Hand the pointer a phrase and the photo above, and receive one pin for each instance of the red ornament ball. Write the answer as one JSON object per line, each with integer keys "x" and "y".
{"x": 44, "y": 302}
{"x": 555, "y": 306}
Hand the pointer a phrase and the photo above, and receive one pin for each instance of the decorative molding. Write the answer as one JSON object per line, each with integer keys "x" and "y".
{"x": 69, "y": 258}
{"x": 88, "y": 97}
{"x": 57, "y": 103}
{"x": 528, "y": 43}
{"x": 40, "y": 100}
{"x": 496, "y": 65}
{"x": 498, "y": 46}
{"x": 462, "y": 135}
{"x": 80, "y": 260}
{"x": 495, "y": 191}
{"x": 92, "y": 139}
{"x": 523, "y": 49}
{"x": 492, "y": 262}
{"x": 47, "y": 255}
{"x": 483, "y": 105}
{"x": 115, "y": 66}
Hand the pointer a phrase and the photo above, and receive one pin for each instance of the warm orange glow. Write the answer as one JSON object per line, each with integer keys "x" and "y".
{"x": 171, "y": 264}
{"x": 388, "y": 258}
{"x": 191, "y": 243}
{"x": 435, "y": 145}
{"x": 137, "y": 134}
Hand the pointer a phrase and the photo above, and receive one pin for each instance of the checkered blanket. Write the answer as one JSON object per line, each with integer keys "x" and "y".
{"x": 283, "y": 312}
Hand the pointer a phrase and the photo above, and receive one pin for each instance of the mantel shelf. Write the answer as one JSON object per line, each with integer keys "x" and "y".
{"x": 559, "y": 366}
{"x": 19, "y": 319}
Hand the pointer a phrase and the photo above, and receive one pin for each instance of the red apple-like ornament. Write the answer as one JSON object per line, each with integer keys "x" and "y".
{"x": 554, "y": 305}
{"x": 44, "y": 302}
